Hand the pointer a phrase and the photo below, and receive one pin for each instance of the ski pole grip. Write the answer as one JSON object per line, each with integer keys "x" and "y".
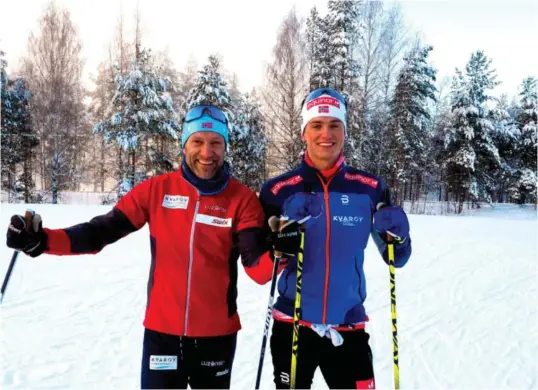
{"x": 274, "y": 224}
{"x": 28, "y": 216}
{"x": 380, "y": 206}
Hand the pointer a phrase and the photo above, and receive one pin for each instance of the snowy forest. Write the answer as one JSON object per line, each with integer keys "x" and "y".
{"x": 448, "y": 140}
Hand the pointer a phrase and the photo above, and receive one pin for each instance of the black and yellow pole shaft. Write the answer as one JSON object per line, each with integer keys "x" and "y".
{"x": 297, "y": 313}
{"x": 390, "y": 248}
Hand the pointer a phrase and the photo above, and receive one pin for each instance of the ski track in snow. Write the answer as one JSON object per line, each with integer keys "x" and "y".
{"x": 467, "y": 309}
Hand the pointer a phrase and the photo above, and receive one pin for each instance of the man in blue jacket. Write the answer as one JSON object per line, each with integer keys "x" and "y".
{"x": 354, "y": 206}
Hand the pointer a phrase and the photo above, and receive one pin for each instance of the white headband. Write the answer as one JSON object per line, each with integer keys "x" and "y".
{"x": 323, "y": 105}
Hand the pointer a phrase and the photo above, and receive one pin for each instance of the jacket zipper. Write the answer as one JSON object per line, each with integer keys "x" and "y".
{"x": 191, "y": 259}
{"x": 327, "y": 247}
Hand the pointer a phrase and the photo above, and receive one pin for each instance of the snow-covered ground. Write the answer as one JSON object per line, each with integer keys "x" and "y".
{"x": 467, "y": 308}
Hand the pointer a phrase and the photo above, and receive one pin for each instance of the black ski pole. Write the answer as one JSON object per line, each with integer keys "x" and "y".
{"x": 8, "y": 274}
{"x": 273, "y": 223}
{"x": 28, "y": 220}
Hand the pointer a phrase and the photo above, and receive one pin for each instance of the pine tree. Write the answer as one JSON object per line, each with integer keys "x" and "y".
{"x": 248, "y": 143}
{"x": 505, "y": 138}
{"x": 410, "y": 135}
{"x": 9, "y": 136}
{"x": 233, "y": 88}
{"x": 526, "y": 176}
{"x": 344, "y": 30}
{"x": 528, "y": 122}
{"x": 211, "y": 88}
{"x": 162, "y": 153}
{"x": 169, "y": 71}
{"x": 18, "y": 140}
{"x": 28, "y": 141}
{"x": 471, "y": 153}
{"x": 314, "y": 31}
{"x": 103, "y": 156}
{"x": 321, "y": 50}
{"x": 186, "y": 82}
{"x": 142, "y": 111}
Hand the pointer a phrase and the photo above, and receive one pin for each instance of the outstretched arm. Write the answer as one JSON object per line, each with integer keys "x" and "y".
{"x": 127, "y": 216}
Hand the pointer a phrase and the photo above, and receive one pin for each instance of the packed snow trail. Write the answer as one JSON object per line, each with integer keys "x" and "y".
{"x": 467, "y": 308}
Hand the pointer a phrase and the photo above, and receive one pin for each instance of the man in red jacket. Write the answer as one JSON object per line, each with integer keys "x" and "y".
{"x": 200, "y": 221}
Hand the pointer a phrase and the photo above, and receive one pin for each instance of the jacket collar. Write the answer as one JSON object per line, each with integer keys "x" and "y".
{"x": 207, "y": 186}
{"x": 309, "y": 171}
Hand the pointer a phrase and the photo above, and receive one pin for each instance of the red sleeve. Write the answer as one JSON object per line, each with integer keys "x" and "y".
{"x": 58, "y": 242}
{"x": 129, "y": 215}
{"x": 263, "y": 271}
{"x": 135, "y": 204}
{"x": 251, "y": 214}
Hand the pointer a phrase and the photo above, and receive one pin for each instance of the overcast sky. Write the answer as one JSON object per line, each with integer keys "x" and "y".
{"x": 244, "y": 32}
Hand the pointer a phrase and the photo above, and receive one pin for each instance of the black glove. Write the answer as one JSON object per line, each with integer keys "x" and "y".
{"x": 30, "y": 239}
{"x": 288, "y": 239}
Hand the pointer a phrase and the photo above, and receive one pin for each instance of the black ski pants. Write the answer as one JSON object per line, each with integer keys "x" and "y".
{"x": 173, "y": 362}
{"x": 347, "y": 366}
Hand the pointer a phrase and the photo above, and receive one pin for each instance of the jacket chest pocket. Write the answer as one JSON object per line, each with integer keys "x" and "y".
{"x": 350, "y": 219}
{"x": 213, "y": 239}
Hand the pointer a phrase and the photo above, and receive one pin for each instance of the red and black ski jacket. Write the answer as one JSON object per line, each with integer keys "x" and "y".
{"x": 196, "y": 239}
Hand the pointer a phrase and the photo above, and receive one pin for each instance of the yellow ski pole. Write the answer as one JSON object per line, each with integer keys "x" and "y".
{"x": 297, "y": 312}
{"x": 390, "y": 248}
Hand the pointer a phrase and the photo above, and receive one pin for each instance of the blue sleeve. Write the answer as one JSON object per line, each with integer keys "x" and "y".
{"x": 269, "y": 205}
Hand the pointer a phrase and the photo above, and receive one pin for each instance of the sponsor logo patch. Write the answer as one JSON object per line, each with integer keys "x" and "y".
{"x": 13, "y": 228}
{"x": 162, "y": 362}
{"x": 207, "y": 125}
{"x": 175, "y": 201}
{"x": 363, "y": 179}
{"x": 324, "y": 100}
{"x": 213, "y": 221}
{"x": 212, "y": 363}
{"x": 214, "y": 207}
{"x": 284, "y": 377}
{"x": 289, "y": 182}
{"x": 347, "y": 220}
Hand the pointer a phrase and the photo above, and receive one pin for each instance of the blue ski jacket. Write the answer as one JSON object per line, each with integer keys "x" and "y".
{"x": 334, "y": 284}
